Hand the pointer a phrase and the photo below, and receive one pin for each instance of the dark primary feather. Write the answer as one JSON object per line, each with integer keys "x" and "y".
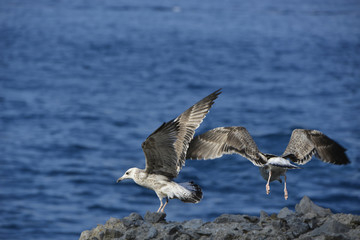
{"x": 304, "y": 144}
{"x": 165, "y": 149}
{"x": 225, "y": 140}
{"x": 195, "y": 192}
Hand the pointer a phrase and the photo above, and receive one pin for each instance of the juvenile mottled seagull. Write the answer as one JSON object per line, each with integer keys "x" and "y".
{"x": 302, "y": 146}
{"x": 165, "y": 152}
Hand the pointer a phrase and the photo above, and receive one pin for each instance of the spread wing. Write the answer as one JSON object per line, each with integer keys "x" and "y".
{"x": 225, "y": 140}
{"x": 165, "y": 149}
{"x": 304, "y": 144}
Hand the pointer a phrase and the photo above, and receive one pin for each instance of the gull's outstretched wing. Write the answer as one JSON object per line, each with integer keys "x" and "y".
{"x": 304, "y": 144}
{"x": 225, "y": 140}
{"x": 165, "y": 149}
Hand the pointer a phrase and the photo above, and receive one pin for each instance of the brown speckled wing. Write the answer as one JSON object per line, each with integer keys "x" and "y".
{"x": 165, "y": 149}
{"x": 304, "y": 144}
{"x": 225, "y": 140}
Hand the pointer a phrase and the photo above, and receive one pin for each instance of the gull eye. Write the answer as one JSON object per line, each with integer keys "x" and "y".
{"x": 127, "y": 173}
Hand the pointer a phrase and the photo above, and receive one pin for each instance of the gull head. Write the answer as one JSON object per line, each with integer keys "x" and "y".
{"x": 129, "y": 174}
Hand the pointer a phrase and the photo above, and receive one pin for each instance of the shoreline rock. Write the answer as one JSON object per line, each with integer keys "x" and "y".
{"x": 309, "y": 221}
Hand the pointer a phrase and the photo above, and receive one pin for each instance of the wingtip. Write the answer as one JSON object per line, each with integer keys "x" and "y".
{"x": 214, "y": 96}
{"x": 217, "y": 92}
{"x": 345, "y": 161}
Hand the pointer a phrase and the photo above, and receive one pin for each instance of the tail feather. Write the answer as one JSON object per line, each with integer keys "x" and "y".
{"x": 285, "y": 166}
{"x": 192, "y": 193}
{"x": 281, "y": 162}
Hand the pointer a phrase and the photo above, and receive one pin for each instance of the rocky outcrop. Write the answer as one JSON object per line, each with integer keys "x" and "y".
{"x": 309, "y": 221}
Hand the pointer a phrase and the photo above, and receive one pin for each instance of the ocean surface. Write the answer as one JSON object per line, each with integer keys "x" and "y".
{"x": 83, "y": 83}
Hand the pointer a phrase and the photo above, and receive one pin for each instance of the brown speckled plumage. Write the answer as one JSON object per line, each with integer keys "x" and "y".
{"x": 165, "y": 151}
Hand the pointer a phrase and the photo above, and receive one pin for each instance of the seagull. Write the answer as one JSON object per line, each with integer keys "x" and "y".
{"x": 165, "y": 151}
{"x": 302, "y": 146}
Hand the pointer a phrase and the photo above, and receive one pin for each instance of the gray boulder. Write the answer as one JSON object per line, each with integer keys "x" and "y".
{"x": 134, "y": 219}
{"x": 330, "y": 226}
{"x": 307, "y": 206}
{"x": 227, "y": 218}
{"x": 154, "y": 217}
{"x": 285, "y": 212}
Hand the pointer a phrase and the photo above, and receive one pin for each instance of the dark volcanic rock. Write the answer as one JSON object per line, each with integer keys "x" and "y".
{"x": 306, "y": 206}
{"x": 134, "y": 219}
{"x": 193, "y": 224}
{"x": 308, "y": 222}
{"x": 331, "y": 227}
{"x": 227, "y": 218}
{"x": 263, "y": 216}
{"x": 155, "y": 217}
{"x": 285, "y": 213}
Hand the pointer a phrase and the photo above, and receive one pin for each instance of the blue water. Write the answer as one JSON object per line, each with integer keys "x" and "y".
{"x": 83, "y": 83}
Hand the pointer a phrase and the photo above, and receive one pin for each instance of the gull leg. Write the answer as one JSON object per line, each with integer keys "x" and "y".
{"x": 167, "y": 200}
{"x": 268, "y": 184}
{"x": 161, "y": 204}
{"x": 285, "y": 190}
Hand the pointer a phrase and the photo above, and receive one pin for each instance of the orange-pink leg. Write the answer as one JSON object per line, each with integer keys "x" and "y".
{"x": 167, "y": 200}
{"x": 268, "y": 184}
{"x": 285, "y": 190}
{"x": 161, "y": 204}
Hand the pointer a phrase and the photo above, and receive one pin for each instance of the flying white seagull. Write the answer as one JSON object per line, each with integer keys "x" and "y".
{"x": 165, "y": 152}
{"x": 302, "y": 146}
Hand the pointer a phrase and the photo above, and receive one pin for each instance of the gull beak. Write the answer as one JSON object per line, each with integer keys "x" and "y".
{"x": 119, "y": 180}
